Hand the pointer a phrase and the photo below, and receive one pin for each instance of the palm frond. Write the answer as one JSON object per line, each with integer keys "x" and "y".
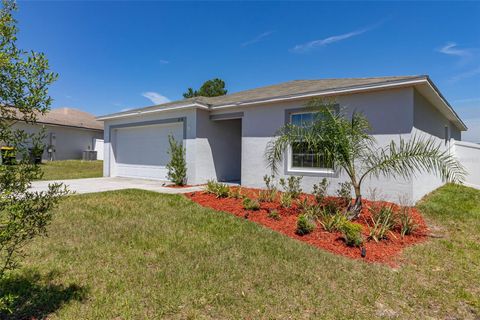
{"x": 409, "y": 157}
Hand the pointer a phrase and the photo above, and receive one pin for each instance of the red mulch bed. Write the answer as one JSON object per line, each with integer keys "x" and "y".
{"x": 385, "y": 251}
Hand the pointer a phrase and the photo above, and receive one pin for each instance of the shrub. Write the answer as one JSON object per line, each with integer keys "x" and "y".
{"x": 303, "y": 204}
{"x": 270, "y": 193}
{"x": 250, "y": 204}
{"x": 320, "y": 190}
{"x": 332, "y": 222}
{"x": 382, "y": 223}
{"x": 286, "y": 200}
{"x": 405, "y": 221}
{"x": 235, "y": 193}
{"x": 273, "y": 214}
{"x": 344, "y": 192}
{"x": 352, "y": 233}
{"x": 220, "y": 190}
{"x": 331, "y": 206}
{"x": 305, "y": 225}
{"x": 291, "y": 186}
{"x": 177, "y": 167}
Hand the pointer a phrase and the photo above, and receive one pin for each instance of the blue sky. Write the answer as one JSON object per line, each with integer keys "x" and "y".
{"x": 117, "y": 55}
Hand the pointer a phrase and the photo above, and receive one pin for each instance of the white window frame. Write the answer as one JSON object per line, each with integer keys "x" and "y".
{"x": 292, "y": 169}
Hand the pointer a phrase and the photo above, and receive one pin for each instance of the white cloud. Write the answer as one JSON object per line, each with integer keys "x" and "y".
{"x": 258, "y": 38}
{"x": 126, "y": 109}
{"x": 451, "y": 48}
{"x": 155, "y": 97}
{"x": 164, "y": 61}
{"x": 299, "y": 48}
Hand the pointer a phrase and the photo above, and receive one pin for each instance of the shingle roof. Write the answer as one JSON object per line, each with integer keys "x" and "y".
{"x": 70, "y": 117}
{"x": 284, "y": 89}
{"x": 297, "y": 87}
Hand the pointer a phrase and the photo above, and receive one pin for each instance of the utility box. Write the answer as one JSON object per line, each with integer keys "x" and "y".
{"x": 89, "y": 155}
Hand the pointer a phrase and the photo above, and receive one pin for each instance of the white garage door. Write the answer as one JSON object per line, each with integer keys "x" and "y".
{"x": 141, "y": 152}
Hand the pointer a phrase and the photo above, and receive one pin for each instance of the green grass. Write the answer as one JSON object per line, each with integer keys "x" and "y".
{"x": 139, "y": 255}
{"x": 71, "y": 169}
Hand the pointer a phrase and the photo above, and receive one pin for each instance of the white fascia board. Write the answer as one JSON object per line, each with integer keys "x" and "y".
{"x": 137, "y": 113}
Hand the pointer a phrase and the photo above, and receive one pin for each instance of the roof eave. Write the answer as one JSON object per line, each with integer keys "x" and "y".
{"x": 160, "y": 109}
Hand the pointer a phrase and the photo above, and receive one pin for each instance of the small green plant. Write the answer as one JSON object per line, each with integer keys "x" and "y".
{"x": 177, "y": 167}
{"x": 313, "y": 210}
{"x": 331, "y": 206}
{"x": 220, "y": 190}
{"x": 352, "y": 233}
{"x": 251, "y": 204}
{"x": 303, "y": 204}
{"x": 235, "y": 193}
{"x": 405, "y": 221}
{"x": 320, "y": 190}
{"x": 285, "y": 200}
{"x": 291, "y": 186}
{"x": 273, "y": 214}
{"x": 344, "y": 192}
{"x": 332, "y": 222}
{"x": 305, "y": 225}
{"x": 270, "y": 193}
{"x": 383, "y": 221}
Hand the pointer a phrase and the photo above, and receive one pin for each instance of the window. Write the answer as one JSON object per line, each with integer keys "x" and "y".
{"x": 300, "y": 156}
{"x": 301, "y": 119}
{"x": 304, "y": 158}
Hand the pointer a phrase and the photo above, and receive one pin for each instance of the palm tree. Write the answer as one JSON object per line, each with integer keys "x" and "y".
{"x": 346, "y": 143}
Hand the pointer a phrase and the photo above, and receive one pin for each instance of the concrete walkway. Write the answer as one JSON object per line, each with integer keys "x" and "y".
{"x": 108, "y": 184}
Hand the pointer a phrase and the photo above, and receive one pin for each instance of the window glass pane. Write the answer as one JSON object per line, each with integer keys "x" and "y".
{"x": 304, "y": 158}
{"x": 306, "y": 118}
{"x": 296, "y": 119}
{"x": 296, "y": 160}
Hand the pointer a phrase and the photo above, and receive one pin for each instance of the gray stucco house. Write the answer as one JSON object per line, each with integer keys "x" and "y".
{"x": 68, "y": 132}
{"x": 225, "y": 137}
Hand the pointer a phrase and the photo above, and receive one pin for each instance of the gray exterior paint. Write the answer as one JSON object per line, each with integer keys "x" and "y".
{"x": 70, "y": 141}
{"x": 229, "y": 144}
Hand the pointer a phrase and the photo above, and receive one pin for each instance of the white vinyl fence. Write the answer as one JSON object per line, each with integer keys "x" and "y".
{"x": 98, "y": 146}
{"x": 468, "y": 154}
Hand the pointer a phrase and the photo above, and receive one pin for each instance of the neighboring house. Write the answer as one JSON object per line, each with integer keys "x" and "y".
{"x": 69, "y": 132}
{"x": 225, "y": 137}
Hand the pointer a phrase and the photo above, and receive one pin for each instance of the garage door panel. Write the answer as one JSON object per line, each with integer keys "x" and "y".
{"x": 142, "y": 151}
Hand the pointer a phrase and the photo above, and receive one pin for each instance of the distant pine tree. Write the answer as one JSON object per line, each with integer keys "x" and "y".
{"x": 210, "y": 88}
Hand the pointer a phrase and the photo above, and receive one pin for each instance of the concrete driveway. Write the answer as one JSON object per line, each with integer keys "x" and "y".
{"x": 91, "y": 185}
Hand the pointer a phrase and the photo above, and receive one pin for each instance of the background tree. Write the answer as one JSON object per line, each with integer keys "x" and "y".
{"x": 346, "y": 143}
{"x": 210, "y": 88}
{"x": 24, "y": 81}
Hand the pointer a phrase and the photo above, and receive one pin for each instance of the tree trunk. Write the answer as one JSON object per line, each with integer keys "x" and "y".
{"x": 354, "y": 210}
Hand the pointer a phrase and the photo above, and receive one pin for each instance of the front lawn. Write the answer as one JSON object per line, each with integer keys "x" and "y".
{"x": 71, "y": 169}
{"x": 140, "y": 255}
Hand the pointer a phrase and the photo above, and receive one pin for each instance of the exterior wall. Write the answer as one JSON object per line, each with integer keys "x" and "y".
{"x": 430, "y": 123}
{"x": 468, "y": 154}
{"x": 189, "y": 139}
{"x": 70, "y": 142}
{"x": 391, "y": 116}
{"x": 218, "y": 148}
